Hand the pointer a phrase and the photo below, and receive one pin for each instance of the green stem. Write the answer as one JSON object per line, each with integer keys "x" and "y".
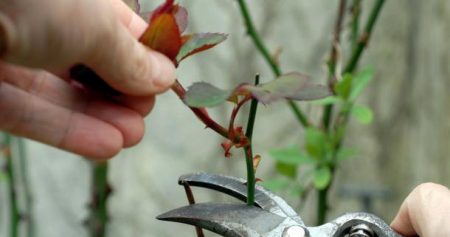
{"x": 26, "y": 186}
{"x": 353, "y": 62}
{"x": 364, "y": 39}
{"x": 257, "y": 40}
{"x": 343, "y": 118}
{"x": 358, "y": 46}
{"x": 100, "y": 193}
{"x": 251, "y": 181}
{"x": 322, "y": 206}
{"x": 356, "y": 13}
{"x": 332, "y": 61}
{"x": 14, "y": 213}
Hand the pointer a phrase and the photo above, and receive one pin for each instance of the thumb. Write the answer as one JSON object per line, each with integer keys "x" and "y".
{"x": 38, "y": 34}
{"x": 425, "y": 212}
{"x": 128, "y": 66}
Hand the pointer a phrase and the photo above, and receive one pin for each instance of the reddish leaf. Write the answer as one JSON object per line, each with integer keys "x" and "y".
{"x": 167, "y": 23}
{"x": 196, "y": 43}
{"x": 180, "y": 13}
{"x": 293, "y": 86}
{"x": 163, "y": 35}
{"x": 163, "y": 8}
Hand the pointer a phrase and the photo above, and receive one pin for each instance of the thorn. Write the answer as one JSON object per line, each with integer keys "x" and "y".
{"x": 227, "y": 145}
{"x": 256, "y": 161}
{"x": 256, "y": 180}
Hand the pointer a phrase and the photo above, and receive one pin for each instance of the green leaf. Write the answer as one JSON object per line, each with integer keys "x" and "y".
{"x": 330, "y": 100}
{"x": 276, "y": 184}
{"x": 199, "y": 42}
{"x": 294, "y": 86}
{"x": 360, "y": 82}
{"x": 363, "y": 114}
{"x": 287, "y": 170}
{"x": 316, "y": 142}
{"x": 344, "y": 87}
{"x": 202, "y": 94}
{"x": 345, "y": 154}
{"x": 322, "y": 177}
{"x": 290, "y": 155}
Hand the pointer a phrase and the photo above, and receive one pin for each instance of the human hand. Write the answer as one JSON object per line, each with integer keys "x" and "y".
{"x": 46, "y": 38}
{"x": 425, "y": 212}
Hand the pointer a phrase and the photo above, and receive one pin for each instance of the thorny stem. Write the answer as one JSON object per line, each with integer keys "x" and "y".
{"x": 201, "y": 113}
{"x": 322, "y": 203}
{"x": 356, "y": 13}
{"x": 26, "y": 186}
{"x": 344, "y": 116}
{"x": 333, "y": 60}
{"x": 100, "y": 194}
{"x": 248, "y": 151}
{"x": 191, "y": 200}
{"x": 364, "y": 38}
{"x": 10, "y": 172}
{"x": 257, "y": 40}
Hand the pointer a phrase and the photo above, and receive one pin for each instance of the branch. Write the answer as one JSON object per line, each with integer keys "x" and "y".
{"x": 365, "y": 37}
{"x": 257, "y": 40}
{"x": 201, "y": 113}
{"x": 332, "y": 61}
{"x": 356, "y": 13}
{"x": 343, "y": 118}
{"x": 101, "y": 191}
{"x": 251, "y": 181}
{"x": 28, "y": 202}
{"x": 10, "y": 172}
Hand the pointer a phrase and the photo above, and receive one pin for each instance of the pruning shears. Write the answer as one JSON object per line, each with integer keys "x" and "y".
{"x": 271, "y": 216}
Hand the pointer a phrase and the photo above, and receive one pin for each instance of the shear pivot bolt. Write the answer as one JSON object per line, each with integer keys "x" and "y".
{"x": 361, "y": 230}
{"x": 294, "y": 231}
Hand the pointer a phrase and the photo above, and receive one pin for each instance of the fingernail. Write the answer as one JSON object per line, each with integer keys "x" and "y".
{"x": 163, "y": 75}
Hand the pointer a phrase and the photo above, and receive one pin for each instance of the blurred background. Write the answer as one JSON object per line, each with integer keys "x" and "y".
{"x": 407, "y": 144}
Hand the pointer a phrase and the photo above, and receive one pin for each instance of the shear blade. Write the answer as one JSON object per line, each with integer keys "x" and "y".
{"x": 229, "y": 220}
{"x": 237, "y": 188}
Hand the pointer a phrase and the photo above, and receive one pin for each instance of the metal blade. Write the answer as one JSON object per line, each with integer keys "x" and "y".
{"x": 230, "y": 220}
{"x": 237, "y": 188}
